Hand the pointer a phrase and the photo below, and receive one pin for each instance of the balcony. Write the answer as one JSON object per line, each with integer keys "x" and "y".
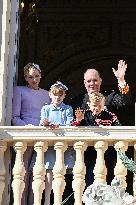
{"x": 78, "y": 137}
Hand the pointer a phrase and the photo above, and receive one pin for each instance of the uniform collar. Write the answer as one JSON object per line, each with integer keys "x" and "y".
{"x": 60, "y": 107}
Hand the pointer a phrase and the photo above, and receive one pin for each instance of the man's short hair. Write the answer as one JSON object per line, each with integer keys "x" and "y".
{"x": 93, "y": 68}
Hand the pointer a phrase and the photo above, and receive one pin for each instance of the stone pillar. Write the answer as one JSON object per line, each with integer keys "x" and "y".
{"x": 79, "y": 171}
{"x": 3, "y": 147}
{"x": 12, "y": 57}
{"x": 39, "y": 172}
{"x": 120, "y": 171}
{"x": 100, "y": 170}
{"x": 59, "y": 170}
{"x": 4, "y": 54}
{"x": 18, "y": 184}
{"x": 8, "y": 56}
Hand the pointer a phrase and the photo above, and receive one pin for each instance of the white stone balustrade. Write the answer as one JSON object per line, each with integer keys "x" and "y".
{"x": 120, "y": 171}
{"x": 79, "y": 171}
{"x": 39, "y": 171}
{"x": 100, "y": 170}
{"x": 59, "y": 171}
{"x": 3, "y": 147}
{"x": 18, "y": 184}
{"x": 61, "y": 138}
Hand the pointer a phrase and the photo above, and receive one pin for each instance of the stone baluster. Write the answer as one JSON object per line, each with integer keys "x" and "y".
{"x": 39, "y": 171}
{"x": 79, "y": 171}
{"x": 100, "y": 170}
{"x": 134, "y": 181}
{"x": 120, "y": 171}
{"x": 59, "y": 170}
{"x": 18, "y": 184}
{"x": 3, "y": 147}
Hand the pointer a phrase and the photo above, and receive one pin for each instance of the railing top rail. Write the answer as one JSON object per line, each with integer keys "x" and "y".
{"x": 70, "y": 134}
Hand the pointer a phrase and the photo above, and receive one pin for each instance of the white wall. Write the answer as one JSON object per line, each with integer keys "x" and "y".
{"x": 1, "y": 6}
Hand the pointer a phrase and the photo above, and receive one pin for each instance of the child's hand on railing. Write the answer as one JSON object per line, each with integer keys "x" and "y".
{"x": 45, "y": 122}
{"x": 52, "y": 126}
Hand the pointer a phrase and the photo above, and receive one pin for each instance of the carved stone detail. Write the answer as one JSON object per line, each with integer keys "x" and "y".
{"x": 59, "y": 170}
{"x": 18, "y": 184}
{"x": 39, "y": 171}
{"x": 100, "y": 170}
{"x": 79, "y": 171}
{"x": 3, "y": 147}
{"x": 120, "y": 171}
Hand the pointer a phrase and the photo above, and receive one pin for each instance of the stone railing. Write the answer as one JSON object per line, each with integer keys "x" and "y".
{"x": 61, "y": 138}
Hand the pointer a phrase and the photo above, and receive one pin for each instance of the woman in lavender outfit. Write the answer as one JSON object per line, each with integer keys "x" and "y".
{"x": 27, "y": 103}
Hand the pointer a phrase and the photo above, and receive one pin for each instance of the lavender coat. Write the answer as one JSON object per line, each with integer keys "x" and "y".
{"x": 27, "y": 104}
